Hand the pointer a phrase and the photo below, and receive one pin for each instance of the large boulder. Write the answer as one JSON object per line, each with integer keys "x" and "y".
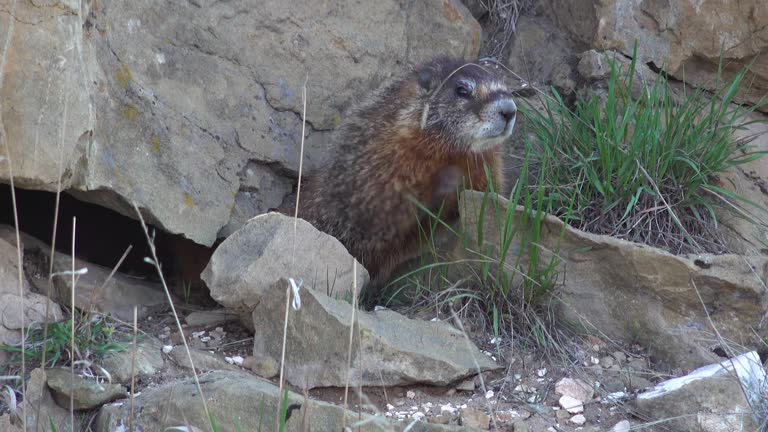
{"x": 685, "y": 38}
{"x": 388, "y": 348}
{"x": 633, "y": 292}
{"x": 192, "y": 110}
{"x": 273, "y": 246}
{"x": 238, "y": 401}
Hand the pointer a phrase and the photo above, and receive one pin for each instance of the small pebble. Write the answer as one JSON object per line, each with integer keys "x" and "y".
{"x": 606, "y": 362}
{"x": 572, "y": 405}
{"x": 167, "y": 349}
{"x": 578, "y": 419}
{"x": 622, "y": 426}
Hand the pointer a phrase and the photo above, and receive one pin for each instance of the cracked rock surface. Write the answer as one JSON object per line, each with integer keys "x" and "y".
{"x": 193, "y": 109}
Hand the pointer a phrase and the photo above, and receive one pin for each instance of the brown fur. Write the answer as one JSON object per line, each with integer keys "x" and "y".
{"x": 385, "y": 158}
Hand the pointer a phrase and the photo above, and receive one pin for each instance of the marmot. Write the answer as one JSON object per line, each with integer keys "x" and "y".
{"x": 418, "y": 138}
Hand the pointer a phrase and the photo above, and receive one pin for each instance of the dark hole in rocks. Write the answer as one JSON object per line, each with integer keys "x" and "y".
{"x": 103, "y": 236}
{"x": 720, "y": 352}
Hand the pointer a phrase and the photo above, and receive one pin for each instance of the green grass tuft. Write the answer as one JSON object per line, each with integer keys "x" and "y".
{"x": 643, "y": 165}
{"x": 93, "y": 340}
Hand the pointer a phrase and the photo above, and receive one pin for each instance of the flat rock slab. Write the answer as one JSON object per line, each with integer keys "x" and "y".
{"x": 630, "y": 291}
{"x": 390, "y": 350}
{"x": 203, "y": 360}
{"x": 116, "y": 296}
{"x": 711, "y": 398}
{"x": 266, "y": 249}
{"x": 87, "y": 393}
{"x": 238, "y": 401}
{"x": 148, "y": 360}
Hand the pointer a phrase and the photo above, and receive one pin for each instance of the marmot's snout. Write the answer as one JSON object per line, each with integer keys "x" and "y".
{"x": 497, "y": 121}
{"x": 507, "y": 109}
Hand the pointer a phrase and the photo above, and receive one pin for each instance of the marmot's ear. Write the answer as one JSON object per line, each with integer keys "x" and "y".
{"x": 425, "y": 78}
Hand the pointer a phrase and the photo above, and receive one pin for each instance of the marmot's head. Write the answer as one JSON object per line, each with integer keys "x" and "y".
{"x": 468, "y": 103}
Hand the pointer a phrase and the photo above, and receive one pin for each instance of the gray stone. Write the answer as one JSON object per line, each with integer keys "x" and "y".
{"x": 148, "y": 360}
{"x": 475, "y": 418}
{"x": 711, "y": 398}
{"x": 236, "y": 398}
{"x": 85, "y": 393}
{"x": 390, "y": 349}
{"x": 634, "y": 292}
{"x": 203, "y": 360}
{"x": 263, "y": 366}
{"x": 40, "y": 405}
{"x": 575, "y": 388}
{"x": 594, "y": 65}
{"x": 209, "y": 318}
{"x": 622, "y": 426}
{"x": 164, "y": 103}
{"x": 252, "y": 259}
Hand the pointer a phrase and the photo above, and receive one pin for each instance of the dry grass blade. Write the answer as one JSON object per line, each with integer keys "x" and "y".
{"x": 293, "y": 254}
{"x": 156, "y": 263}
{"x": 72, "y": 329}
{"x": 133, "y": 366}
{"x": 351, "y": 338}
{"x": 502, "y": 17}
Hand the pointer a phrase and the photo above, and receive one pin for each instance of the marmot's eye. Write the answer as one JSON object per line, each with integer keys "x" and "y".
{"x": 464, "y": 89}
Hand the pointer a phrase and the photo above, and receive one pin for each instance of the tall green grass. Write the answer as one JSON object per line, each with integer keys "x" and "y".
{"x": 643, "y": 165}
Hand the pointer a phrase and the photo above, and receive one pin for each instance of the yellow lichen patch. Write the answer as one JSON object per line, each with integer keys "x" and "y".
{"x": 124, "y": 77}
{"x": 475, "y": 41}
{"x": 130, "y": 112}
{"x": 155, "y": 144}
{"x": 336, "y": 120}
{"x": 450, "y": 12}
{"x": 189, "y": 201}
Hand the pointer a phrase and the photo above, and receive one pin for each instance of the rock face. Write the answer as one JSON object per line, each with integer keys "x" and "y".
{"x": 684, "y": 38}
{"x": 10, "y": 303}
{"x": 751, "y": 182}
{"x": 390, "y": 350}
{"x": 251, "y": 260}
{"x": 634, "y": 292}
{"x": 711, "y": 398}
{"x": 187, "y": 108}
{"x": 238, "y": 401}
{"x": 542, "y": 53}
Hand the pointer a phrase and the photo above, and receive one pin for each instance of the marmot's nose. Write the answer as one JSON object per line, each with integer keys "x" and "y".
{"x": 507, "y": 109}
